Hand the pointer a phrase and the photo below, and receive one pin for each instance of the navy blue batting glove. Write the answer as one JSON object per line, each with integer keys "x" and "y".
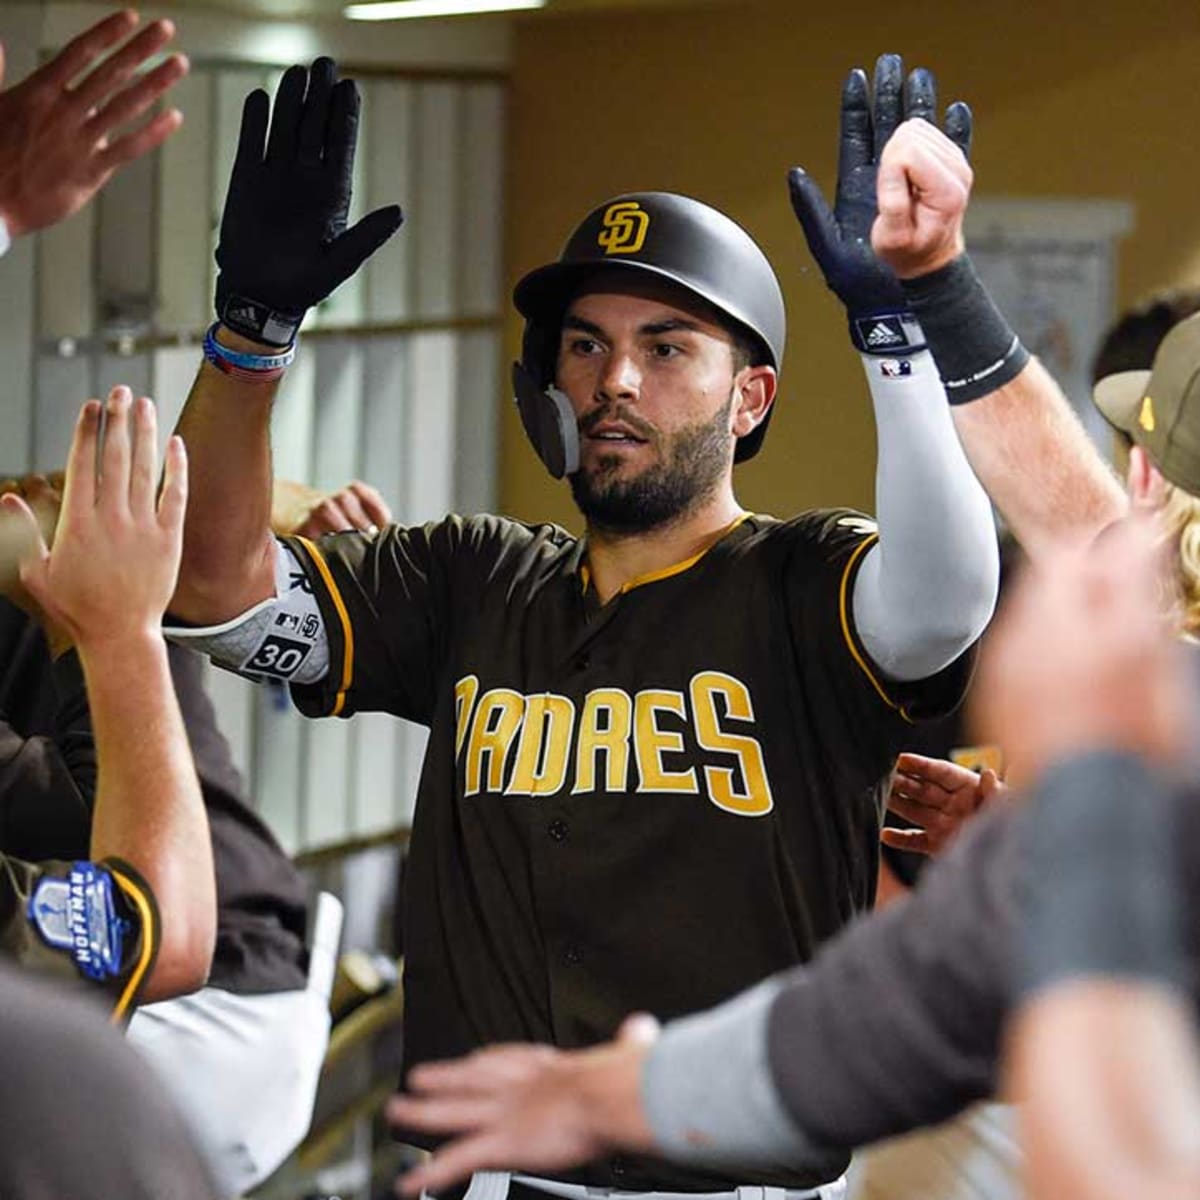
{"x": 840, "y": 240}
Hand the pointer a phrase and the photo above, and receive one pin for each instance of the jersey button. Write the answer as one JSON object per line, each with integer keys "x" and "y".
{"x": 572, "y": 954}
{"x": 558, "y": 830}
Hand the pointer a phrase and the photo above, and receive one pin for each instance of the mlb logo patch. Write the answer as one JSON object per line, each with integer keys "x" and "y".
{"x": 895, "y": 368}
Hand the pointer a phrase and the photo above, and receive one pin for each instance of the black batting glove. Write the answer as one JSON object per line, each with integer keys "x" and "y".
{"x": 840, "y": 241}
{"x": 284, "y": 243}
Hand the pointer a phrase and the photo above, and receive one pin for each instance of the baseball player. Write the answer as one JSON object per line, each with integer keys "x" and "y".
{"x": 102, "y": 591}
{"x": 1053, "y": 910}
{"x": 656, "y": 752}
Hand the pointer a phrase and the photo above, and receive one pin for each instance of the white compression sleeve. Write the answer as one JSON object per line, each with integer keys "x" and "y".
{"x": 282, "y": 638}
{"x": 927, "y": 590}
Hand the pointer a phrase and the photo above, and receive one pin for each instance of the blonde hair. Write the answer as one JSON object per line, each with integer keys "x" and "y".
{"x": 1179, "y": 517}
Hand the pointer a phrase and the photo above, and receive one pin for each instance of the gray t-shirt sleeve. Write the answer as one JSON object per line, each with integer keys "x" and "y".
{"x": 898, "y": 1022}
{"x": 709, "y": 1093}
{"x": 1102, "y": 895}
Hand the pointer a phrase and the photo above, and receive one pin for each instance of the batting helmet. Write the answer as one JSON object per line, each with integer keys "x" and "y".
{"x": 656, "y": 233}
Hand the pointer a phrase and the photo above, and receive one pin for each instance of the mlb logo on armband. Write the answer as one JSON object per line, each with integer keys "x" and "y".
{"x": 895, "y": 368}
{"x": 277, "y": 657}
{"x": 289, "y": 621}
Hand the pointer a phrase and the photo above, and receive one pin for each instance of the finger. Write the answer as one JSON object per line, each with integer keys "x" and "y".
{"x": 351, "y": 249}
{"x": 889, "y": 81}
{"x": 141, "y": 141}
{"x": 452, "y": 1163}
{"x": 920, "y": 96}
{"x": 440, "y": 1115}
{"x": 172, "y": 501}
{"x": 30, "y": 531}
{"x": 342, "y": 133}
{"x": 812, "y": 211}
{"x": 374, "y": 505}
{"x": 285, "y": 120}
{"x": 353, "y": 510}
{"x": 856, "y": 146}
{"x": 116, "y": 450}
{"x": 947, "y": 775}
{"x": 114, "y": 72}
{"x": 79, "y": 485}
{"x": 924, "y": 815}
{"x": 81, "y": 51}
{"x": 960, "y": 127}
{"x": 315, "y": 117}
{"x": 256, "y": 112}
{"x": 131, "y": 102}
{"x": 916, "y": 841}
{"x": 143, "y": 456}
{"x": 327, "y": 517}
{"x": 922, "y": 791}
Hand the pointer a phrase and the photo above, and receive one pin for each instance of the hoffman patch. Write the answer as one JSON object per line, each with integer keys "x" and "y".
{"x": 77, "y": 915}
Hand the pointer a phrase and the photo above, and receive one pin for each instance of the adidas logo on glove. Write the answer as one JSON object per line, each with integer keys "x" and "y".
{"x": 883, "y": 333}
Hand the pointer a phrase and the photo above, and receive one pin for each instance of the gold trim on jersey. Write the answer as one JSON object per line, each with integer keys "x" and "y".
{"x": 585, "y": 573}
{"x": 150, "y": 936}
{"x": 318, "y": 560}
{"x": 847, "y": 632}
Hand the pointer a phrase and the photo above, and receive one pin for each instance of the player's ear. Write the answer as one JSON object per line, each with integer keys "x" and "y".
{"x": 753, "y": 397}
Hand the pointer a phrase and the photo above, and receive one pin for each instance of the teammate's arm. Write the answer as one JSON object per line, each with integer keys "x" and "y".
{"x": 107, "y": 583}
{"x": 284, "y": 246}
{"x": 1022, "y": 438}
{"x": 927, "y": 590}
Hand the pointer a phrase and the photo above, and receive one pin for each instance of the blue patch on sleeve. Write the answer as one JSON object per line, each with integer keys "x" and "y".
{"x": 78, "y": 915}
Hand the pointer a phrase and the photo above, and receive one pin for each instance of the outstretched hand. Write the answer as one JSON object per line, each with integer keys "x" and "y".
{"x": 939, "y": 797}
{"x": 526, "y": 1107}
{"x": 57, "y": 143}
{"x": 116, "y": 552}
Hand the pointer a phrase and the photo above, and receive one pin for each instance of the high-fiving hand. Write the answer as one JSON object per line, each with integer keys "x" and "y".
{"x": 116, "y": 552}
{"x": 56, "y": 127}
{"x": 841, "y": 239}
{"x": 284, "y": 243}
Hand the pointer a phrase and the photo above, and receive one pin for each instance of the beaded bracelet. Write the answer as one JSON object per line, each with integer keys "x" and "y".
{"x": 251, "y": 368}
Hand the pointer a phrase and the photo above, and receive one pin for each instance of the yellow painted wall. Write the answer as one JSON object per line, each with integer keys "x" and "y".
{"x": 1071, "y": 99}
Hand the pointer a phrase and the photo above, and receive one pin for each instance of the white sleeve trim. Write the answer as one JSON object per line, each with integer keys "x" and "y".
{"x": 282, "y": 637}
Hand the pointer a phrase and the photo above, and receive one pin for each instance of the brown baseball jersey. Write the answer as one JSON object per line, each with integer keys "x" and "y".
{"x": 645, "y": 805}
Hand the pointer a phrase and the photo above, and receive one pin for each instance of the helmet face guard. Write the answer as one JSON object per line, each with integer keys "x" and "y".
{"x": 661, "y": 235}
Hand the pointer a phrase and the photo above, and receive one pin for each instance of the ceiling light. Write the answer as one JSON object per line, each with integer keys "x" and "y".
{"x": 396, "y": 10}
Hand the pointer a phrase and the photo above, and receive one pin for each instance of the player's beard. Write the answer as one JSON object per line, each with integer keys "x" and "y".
{"x": 691, "y": 466}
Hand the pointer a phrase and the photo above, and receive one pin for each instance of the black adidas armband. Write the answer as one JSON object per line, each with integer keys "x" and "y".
{"x": 1100, "y": 892}
{"x": 974, "y": 347}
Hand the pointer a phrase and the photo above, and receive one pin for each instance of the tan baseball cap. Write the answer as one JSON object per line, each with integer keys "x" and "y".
{"x": 1160, "y": 409}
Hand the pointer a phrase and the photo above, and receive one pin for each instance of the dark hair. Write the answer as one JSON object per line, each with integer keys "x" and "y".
{"x": 1130, "y": 344}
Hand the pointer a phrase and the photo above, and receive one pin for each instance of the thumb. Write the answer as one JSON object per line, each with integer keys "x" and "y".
{"x": 25, "y": 538}
{"x": 813, "y": 213}
{"x": 640, "y": 1028}
{"x": 895, "y": 220}
{"x": 350, "y": 250}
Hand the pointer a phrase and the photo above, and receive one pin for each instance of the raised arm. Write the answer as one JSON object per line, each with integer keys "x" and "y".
{"x": 1022, "y": 438}
{"x": 107, "y": 583}
{"x": 927, "y": 590}
{"x": 284, "y": 247}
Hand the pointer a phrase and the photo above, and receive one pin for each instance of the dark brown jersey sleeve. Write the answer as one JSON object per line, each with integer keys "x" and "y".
{"x": 388, "y": 602}
{"x": 90, "y": 921}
